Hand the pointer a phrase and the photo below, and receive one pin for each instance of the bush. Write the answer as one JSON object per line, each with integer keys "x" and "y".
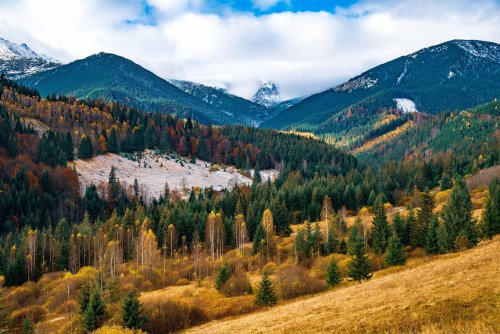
{"x": 294, "y": 281}
{"x": 237, "y": 285}
{"x": 116, "y": 330}
{"x": 68, "y": 306}
{"x": 34, "y": 312}
{"x": 168, "y": 316}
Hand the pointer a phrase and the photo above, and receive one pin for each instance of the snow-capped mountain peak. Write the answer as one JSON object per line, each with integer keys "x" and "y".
{"x": 18, "y": 60}
{"x": 268, "y": 95}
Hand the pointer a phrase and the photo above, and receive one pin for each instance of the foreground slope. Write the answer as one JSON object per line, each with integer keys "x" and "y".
{"x": 454, "y": 293}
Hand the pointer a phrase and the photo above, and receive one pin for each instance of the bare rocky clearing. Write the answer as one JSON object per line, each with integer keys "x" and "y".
{"x": 152, "y": 170}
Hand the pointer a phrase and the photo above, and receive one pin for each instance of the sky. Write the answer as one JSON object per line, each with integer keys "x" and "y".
{"x": 304, "y": 46}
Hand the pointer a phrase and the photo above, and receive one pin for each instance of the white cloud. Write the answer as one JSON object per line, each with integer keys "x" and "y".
{"x": 302, "y": 52}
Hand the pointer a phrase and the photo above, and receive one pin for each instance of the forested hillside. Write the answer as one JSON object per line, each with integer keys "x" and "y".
{"x": 451, "y": 76}
{"x": 77, "y": 256}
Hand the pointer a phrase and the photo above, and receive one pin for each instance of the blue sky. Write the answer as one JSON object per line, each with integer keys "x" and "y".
{"x": 304, "y": 46}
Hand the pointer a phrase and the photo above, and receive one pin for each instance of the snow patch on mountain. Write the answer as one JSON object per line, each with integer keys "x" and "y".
{"x": 364, "y": 82}
{"x": 405, "y": 105}
{"x": 488, "y": 51}
{"x": 268, "y": 95}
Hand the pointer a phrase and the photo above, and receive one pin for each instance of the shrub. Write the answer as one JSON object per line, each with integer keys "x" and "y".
{"x": 34, "y": 312}
{"x": 237, "y": 285}
{"x": 169, "y": 316}
{"x": 68, "y": 306}
{"x": 116, "y": 330}
{"x": 294, "y": 281}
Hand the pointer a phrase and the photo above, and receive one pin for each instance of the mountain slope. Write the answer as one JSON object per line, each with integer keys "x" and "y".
{"x": 246, "y": 112}
{"x": 18, "y": 60}
{"x": 115, "y": 78}
{"x": 455, "y": 293}
{"x": 454, "y": 75}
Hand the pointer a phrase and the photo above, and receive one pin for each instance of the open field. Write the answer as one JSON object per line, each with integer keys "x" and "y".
{"x": 454, "y": 293}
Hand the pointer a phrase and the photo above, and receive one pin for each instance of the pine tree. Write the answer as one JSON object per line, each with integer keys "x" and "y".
{"x": 132, "y": 313}
{"x": 381, "y": 231}
{"x": 343, "y": 247}
{"x": 266, "y": 295}
{"x": 68, "y": 146}
{"x": 96, "y": 310}
{"x": 491, "y": 214}
{"x": 257, "y": 179}
{"x": 222, "y": 276}
{"x": 359, "y": 267}
{"x": 395, "y": 255}
{"x": 432, "y": 240}
{"x": 457, "y": 215}
{"x": 333, "y": 274}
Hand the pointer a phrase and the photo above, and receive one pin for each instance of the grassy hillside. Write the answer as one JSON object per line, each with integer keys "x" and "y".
{"x": 455, "y": 293}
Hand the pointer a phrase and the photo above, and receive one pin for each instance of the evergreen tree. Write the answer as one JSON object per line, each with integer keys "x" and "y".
{"x": 399, "y": 228}
{"x": 457, "y": 215}
{"x": 28, "y": 327}
{"x": 491, "y": 214}
{"x": 96, "y": 310}
{"x": 395, "y": 255}
{"x": 343, "y": 247}
{"x": 266, "y": 295}
{"x": 443, "y": 239}
{"x": 353, "y": 237}
{"x": 68, "y": 146}
{"x": 132, "y": 313}
{"x": 222, "y": 276}
{"x": 333, "y": 274}
{"x": 84, "y": 297}
{"x": 257, "y": 179}
{"x": 113, "y": 142}
{"x": 432, "y": 239}
{"x": 424, "y": 219}
{"x": 359, "y": 267}
{"x": 85, "y": 150}
{"x": 381, "y": 231}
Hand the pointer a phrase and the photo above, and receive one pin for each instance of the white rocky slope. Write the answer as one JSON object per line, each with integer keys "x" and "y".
{"x": 268, "y": 95}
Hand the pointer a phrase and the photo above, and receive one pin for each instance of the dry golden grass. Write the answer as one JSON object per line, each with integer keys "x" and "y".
{"x": 455, "y": 293}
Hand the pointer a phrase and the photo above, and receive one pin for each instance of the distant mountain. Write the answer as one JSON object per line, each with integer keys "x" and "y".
{"x": 246, "y": 112}
{"x": 268, "y": 95}
{"x": 115, "y": 78}
{"x": 455, "y": 75}
{"x": 18, "y": 60}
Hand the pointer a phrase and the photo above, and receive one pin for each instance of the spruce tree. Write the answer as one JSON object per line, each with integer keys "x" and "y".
{"x": 132, "y": 313}
{"x": 68, "y": 146}
{"x": 424, "y": 219}
{"x": 457, "y": 215}
{"x": 343, "y": 247}
{"x": 96, "y": 310}
{"x": 222, "y": 276}
{"x": 491, "y": 214}
{"x": 395, "y": 255}
{"x": 333, "y": 276}
{"x": 266, "y": 295}
{"x": 381, "y": 231}
{"x": 432, "y": 240}
{"x": 443, "y": 239}
{"x": 257, "y": 179}
{"x": 359, "y": 267}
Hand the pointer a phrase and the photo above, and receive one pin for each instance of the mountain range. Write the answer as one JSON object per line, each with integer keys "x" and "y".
{"x": 454, "y": 75}
{"x": 451, "y": 76}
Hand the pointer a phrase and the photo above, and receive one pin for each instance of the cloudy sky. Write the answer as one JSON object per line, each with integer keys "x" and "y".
{"x": 304, "y": 46}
